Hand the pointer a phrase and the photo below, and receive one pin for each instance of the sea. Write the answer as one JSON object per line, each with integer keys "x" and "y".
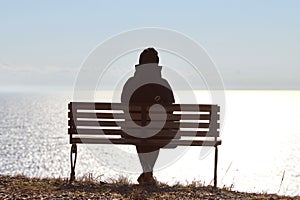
{"x": 260, "y": 151}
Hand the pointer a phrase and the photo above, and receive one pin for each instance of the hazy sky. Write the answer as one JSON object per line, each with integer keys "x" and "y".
{"x": 255, "y": 44}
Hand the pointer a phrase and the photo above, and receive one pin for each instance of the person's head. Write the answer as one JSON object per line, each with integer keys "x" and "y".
{"x": 149, "y": 55}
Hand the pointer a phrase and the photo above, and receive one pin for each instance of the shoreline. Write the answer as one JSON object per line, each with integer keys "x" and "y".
{"x": 22, "y": 187}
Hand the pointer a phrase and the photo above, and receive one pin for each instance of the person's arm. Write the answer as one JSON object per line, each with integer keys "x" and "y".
{"x": 170, "y": 94}
{"x": 125, "y": 92}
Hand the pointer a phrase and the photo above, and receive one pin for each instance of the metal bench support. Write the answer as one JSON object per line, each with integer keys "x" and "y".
{"x": 73, "y": 161}
{"x": 216, "y": 166}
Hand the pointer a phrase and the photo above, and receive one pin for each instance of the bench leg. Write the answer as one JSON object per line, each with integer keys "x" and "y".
{"x": 73, "y": 161}
{"x": 216, "y": 166}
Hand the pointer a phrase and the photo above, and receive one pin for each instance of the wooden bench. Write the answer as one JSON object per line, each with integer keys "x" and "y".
{"x": 108, "y": 123}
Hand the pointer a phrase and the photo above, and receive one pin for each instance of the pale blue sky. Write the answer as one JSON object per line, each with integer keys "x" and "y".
{"x": 255, "y": 44}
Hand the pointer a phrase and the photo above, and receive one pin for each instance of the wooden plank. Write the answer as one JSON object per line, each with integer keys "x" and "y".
{"x": 137, "y": 116}
{"x": 132, "y": 125}
{"x": 96, "y": 123}
{"x": 191, "y": 107}
{"x": 153, "y": 142}
{"x": 97, "y": 106}
{"x": 106, "y": 106}
{"x": 169, "y": 125}
{"x": 165, "y": 133}
{"x": 180, "y": 133}
{"x": 98, "y": 115}
{"x": 96, "y": 131}
{"x": 195, "y": 116}
{"x": 137, "y": 107}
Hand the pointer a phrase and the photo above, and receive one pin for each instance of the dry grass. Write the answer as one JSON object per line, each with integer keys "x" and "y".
{"x": 89, "y": 187}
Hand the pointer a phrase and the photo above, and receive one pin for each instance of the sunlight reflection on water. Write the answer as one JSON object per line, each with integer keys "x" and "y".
{"x": 261, "y": 141}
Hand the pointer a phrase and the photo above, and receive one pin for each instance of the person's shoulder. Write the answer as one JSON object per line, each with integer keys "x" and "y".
{"x": 165, "y": 83}
{"x": 129, "y": 84}
{"x": 129, "y": 81}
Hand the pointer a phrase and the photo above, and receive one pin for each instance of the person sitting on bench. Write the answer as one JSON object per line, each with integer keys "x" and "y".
{"x": 147, "y": 87}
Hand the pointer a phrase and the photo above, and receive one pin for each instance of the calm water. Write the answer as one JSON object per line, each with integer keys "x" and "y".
{"x": 261, "y": 143}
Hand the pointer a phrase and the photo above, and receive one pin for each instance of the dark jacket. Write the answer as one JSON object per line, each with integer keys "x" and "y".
{"x": 147, "y": 86}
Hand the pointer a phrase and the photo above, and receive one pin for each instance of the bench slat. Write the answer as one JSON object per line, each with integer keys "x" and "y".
{"x": 120, "y": 106}
{"x": 137, "y": 116}
{"x": 95, "y": 131}
{"x": 154, "y": 124}
{"x": 170, "y": 125}
{"x": 150, "y": 142}
{"x": 165, "y": 133}
{"x": 97, "y": 115}
{"x": 96, "y": 123}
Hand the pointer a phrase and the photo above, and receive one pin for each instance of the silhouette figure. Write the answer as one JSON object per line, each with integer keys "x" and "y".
{"x": 147, "y": 87}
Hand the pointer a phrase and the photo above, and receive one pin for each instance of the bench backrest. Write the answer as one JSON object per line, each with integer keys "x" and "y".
{"x": 92, "y": 121}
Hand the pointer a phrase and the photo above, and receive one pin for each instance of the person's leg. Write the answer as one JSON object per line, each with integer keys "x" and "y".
{"x": 148, "y": 157}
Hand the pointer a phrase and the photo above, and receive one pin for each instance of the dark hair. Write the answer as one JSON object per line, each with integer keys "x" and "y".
{"x": 149, "y": 55}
